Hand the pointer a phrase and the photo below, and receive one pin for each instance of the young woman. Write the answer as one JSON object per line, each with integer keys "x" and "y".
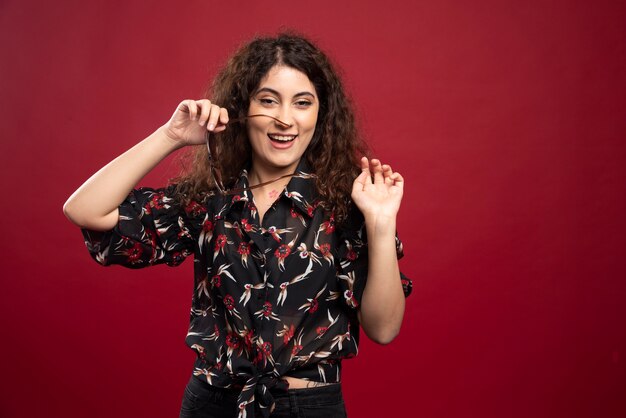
{"x": 292, "y": 229}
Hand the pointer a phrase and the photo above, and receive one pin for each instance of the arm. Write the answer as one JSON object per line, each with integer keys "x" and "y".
{"x": 95, "y": 204}
{"x": 382, "y": 303}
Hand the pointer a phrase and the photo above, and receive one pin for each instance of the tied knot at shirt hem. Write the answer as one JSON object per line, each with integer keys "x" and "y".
{"x": 257, "y": 390}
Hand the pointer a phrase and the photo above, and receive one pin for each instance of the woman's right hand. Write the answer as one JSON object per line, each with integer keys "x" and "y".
{"x": 192, "y": 119}
{"x": 95, "y": 204}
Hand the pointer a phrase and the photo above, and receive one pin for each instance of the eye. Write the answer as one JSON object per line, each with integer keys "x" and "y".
{"x": 303, "y": 103}
{"x": 267, "y": 101}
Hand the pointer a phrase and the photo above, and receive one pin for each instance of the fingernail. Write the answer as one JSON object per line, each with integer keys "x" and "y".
{"x": 211, "y": 126}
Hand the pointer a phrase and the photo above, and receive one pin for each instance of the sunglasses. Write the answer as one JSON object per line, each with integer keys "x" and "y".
{"x": 216, "y": 173}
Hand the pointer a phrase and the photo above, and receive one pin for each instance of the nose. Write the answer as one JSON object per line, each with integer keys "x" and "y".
{"x": 284, "y": 120}
{"x": 281, "y": 124}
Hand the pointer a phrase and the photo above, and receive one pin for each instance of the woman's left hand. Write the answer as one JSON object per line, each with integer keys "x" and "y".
{"x": 377, "y": 192}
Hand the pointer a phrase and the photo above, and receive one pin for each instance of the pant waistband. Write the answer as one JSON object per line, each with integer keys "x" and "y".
{"x": 307, "y": 396}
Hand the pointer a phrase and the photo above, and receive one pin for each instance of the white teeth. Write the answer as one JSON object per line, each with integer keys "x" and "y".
{"x": 282, "y": 138}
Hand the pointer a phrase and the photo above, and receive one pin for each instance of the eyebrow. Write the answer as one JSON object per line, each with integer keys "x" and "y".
{"x": 269, "y": 90}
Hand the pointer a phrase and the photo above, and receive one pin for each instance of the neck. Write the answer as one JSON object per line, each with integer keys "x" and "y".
{"x": 272, "y": 175}
{"x": 268, "y": 192}
{"x": 275, "y": 184}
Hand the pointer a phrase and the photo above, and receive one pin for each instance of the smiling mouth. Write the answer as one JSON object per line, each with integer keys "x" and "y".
{"x": 281, "y": 138}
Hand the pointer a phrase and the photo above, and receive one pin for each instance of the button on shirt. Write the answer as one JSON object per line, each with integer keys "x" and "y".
{"x": 270, "y": 300}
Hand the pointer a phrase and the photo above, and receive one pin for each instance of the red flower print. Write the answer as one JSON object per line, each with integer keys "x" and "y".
{"x": 266, "y": 347}
{"x": 244, "y": 248}
{"x": 194, "y": 208}
{"x": 216, "y": 281}
{"x": 293, "y": 212}
{"x": 282, "y": 252}
{"x": 321, "y": 331}
{"x": 229, "y": 302}
{"x": 246, "y": 225}
{"x": 267, "y": 309}
{"x": 207, "y": 226}
{"x": 350, "y": 299}
{"x": 200, "y": 350}
{"x": 351, "y": 255}
{"x": 247, "y": 340}
{"x": 328, "y": 226}
{"x": 312, "y": 305}
{"x": 134, "y": 253}
{"x": 152, "y": 237}
{"x": 220, "y": 242}
{"x": 177, "y": 258}
{"x": 233, "y": 341}
{"x": 325, "y": 249}
{"x": 157, "y": 200}
{"x": 296, "y": 349}
{"x": 266, "y": 312}
{"x": 288, "y": 334}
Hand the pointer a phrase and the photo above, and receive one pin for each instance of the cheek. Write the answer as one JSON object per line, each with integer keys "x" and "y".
{"x": 312, "y": 122}
{"x": 254, "y": 132}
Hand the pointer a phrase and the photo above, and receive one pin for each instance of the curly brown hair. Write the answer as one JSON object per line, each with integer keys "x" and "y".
{"x": 335, "y": 148}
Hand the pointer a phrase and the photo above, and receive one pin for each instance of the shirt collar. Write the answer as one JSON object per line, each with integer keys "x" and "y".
{"x": 300, "y": 189}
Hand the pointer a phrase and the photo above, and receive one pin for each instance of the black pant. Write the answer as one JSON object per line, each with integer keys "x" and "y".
{"x": 202, "y": 400}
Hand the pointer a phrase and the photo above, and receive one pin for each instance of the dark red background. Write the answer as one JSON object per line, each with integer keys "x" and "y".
{"x": 507, "y": 119}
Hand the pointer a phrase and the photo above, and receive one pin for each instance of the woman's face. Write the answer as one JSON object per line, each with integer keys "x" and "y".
{"x": 289, "y": 95}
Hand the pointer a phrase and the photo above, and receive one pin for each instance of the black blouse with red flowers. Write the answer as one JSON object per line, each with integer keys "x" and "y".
{"x": 272, "y": 299}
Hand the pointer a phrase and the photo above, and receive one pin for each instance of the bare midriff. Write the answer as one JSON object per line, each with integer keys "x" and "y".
{"x": 295, "y": 383}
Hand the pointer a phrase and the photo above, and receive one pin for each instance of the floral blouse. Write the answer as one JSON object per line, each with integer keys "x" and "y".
{"x": 273, "y": 299}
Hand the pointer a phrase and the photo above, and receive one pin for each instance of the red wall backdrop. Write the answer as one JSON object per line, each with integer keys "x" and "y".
{"x": 507, "y": 119}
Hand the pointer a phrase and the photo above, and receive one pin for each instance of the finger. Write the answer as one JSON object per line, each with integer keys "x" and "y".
{"x": 398, "y": 180}
{"x": 362, "y": 178}
{"x": 213, "y": 117}
{"x": 365, "y": 168}
{"x": 377, "y": 169}
{"x": 222, "y": 120}
{"x": 359, "y": 182}
{"x": 387, "y": 172}
{"x": 193, "y": 109}
{"x": 205, "y": 110}
{"x": 183, "y": 107}
{"x": 223, "y": 116}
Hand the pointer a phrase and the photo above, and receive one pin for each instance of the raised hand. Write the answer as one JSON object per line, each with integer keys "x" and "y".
{"x": 377, "y": 192}
{"x": 95, "y": 204}
{"x": 192, "y": 119}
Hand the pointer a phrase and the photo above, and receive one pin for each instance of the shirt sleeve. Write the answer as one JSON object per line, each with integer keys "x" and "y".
{"x": 353, "y": 265}
{"x": 152, "y": 229}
